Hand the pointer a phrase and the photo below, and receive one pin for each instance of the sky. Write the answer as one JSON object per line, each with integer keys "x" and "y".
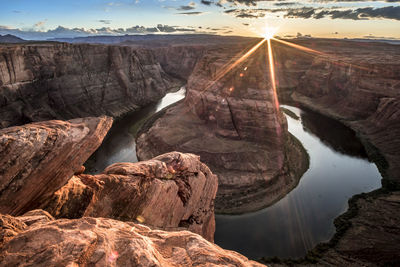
{"x": 43, "y": 19}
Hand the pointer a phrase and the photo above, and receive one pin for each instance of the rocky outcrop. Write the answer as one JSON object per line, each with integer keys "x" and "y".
{"x": 40, "y": 158}
{"x": 374, "y": 236}
{"x": 236, "y": 128}
{"x": 171, "y": 191}
{"x": 368, "y": 234}
{"x": 106, "y": 242}
{"x": 47, "y": 81}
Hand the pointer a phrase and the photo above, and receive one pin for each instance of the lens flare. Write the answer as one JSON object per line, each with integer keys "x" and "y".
{"x": 330, "y": 58}
{"x": 305, "y": 49}
{"x": 272, "y": 73}
{"x": 269, "y": 32}
{"x": 229, "y": 67}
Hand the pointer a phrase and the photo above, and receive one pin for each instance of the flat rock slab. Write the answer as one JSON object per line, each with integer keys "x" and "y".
{"x": 107, "y": 242}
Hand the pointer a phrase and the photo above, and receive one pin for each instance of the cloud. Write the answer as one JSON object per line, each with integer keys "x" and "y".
{"x": 285, "y": 3}
{"x": 105, "y": 21}
{"x": 190, "y": 6}
{"x": 255, "y": 2}
{"x": 365, "y": 13}
{"x": 63, "y": 32}
{"x": 40, "y": 23}
{"x": 207, "y": 3}
{"x": 389, "y": 12}
{"x": 193, "y": 13}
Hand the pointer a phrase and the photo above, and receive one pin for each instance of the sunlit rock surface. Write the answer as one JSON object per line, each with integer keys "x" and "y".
{"x": 47, "y": 81}
{"x": 39, "y": 158}
{"x": 106, "y": 242}
{"x": 171, "y": 191}
{"x": 235, "y": 127}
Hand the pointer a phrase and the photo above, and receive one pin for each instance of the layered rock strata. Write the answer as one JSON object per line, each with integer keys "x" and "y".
{"x": 62, "y": 81}
{"x": 236, "y": 128}
{"x": 106, "y": 242}
{"x": 39, "y": 158}
{"x": 171, "y": 191}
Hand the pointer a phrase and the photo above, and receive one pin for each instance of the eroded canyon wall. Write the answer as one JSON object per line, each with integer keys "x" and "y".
{"x": 63, "y": 81}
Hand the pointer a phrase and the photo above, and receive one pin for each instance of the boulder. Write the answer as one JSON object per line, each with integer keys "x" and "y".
{"x": 171, "y": 191}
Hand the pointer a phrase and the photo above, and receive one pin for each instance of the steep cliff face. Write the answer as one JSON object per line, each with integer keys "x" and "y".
{"x": 39, "y": 158}
{"x": 236, "y": 128}
{"x": 63, "y": 81}
{"x": 179, "y": 61}
{"x": 171, "y": 191}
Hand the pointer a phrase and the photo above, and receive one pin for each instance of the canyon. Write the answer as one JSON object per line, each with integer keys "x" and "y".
{"x": 235, "y": 127}
{"x": 237, "y": 132}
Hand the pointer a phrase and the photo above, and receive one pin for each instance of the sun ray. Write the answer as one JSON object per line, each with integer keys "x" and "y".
{"x": 328, "y": 57}
{"x": 272, "y": 73}
{"x": 303, "y": 48}
{"x": 227, "y": 68}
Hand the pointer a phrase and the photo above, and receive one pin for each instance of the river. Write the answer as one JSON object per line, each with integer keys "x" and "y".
{"x": 339, "y": 169}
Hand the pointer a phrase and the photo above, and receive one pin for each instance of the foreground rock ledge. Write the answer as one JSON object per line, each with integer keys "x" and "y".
{"x": 107, "y": 242}
{"x": 39, "y": 158}
{"x": 171, "y": 191}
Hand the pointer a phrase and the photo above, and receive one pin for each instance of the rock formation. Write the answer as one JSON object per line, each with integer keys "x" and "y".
{"x": 235, "y": 127}
{"x": 373, "y": 239}
{"x": 40, "y": 158}
{"x": 367, "y": 235}
{"x": 106, "y": 242}
{"x": 171, "y": 191}
{"x": 47, "y": 81}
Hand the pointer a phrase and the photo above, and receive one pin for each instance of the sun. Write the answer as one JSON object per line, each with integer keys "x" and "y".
{"x": 269, "y": 32}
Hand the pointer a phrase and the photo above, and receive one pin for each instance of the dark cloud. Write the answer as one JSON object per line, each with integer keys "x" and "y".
{"x": 185, "y": 8}
{"x": 105, "y": 21}
{"x": 249, "y": 13}
{"x": 190, "y": 6}
{"x": 207, "y": 3}
{"x": 190, "y": 13}
{"x": 285, "y": 3}
{"x": 390, "y": 12}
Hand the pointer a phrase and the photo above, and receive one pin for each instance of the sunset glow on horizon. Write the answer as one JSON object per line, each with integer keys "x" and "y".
{"x": 65, "y": 19}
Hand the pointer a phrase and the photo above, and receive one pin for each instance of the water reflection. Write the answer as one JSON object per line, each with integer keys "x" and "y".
{"x": 333, "y": 134}
{"x": 120, "y": 145}
{"x": 305, "y": 216}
